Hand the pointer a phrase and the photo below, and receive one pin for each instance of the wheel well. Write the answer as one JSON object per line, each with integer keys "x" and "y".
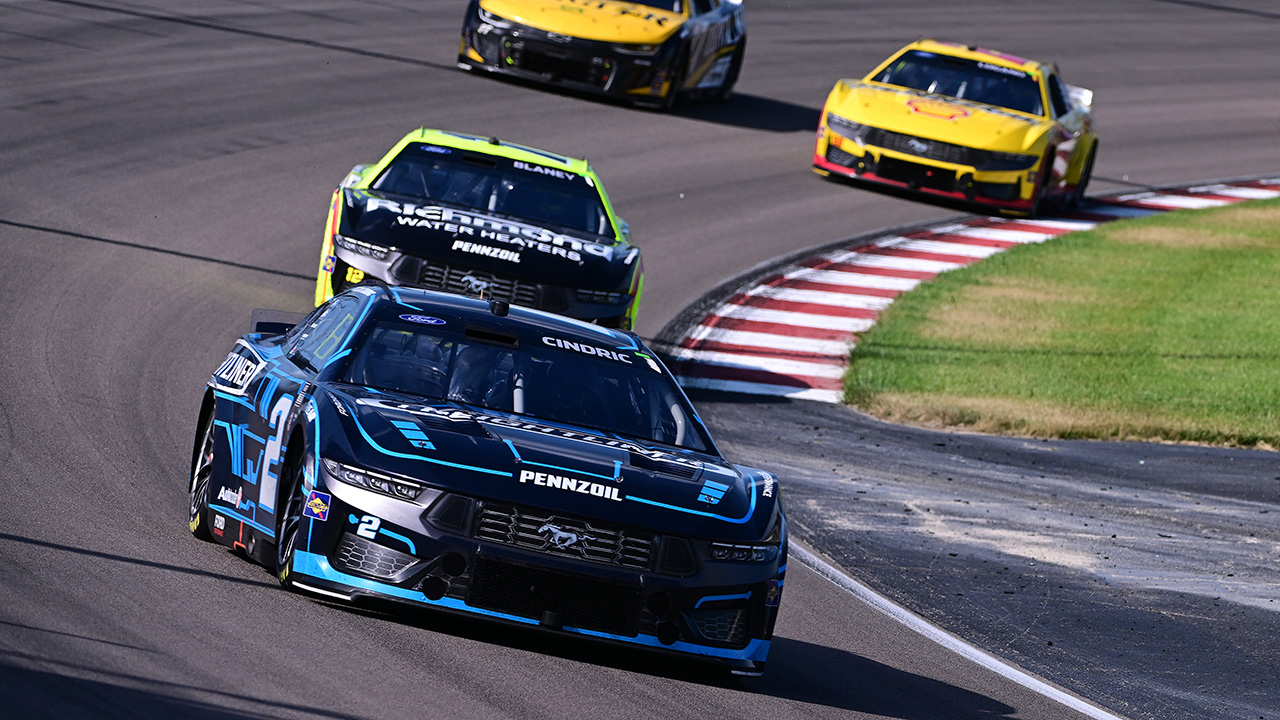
{"x": 206, "y": 409}
{"x": 292, "y": 454}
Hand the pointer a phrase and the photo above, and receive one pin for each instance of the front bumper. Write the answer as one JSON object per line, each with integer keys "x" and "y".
{"x": 460, "y": 554}
{"x": 587, "y": 66}
{"x": 349, "y": 268}
{"x": 1002, "y": 190}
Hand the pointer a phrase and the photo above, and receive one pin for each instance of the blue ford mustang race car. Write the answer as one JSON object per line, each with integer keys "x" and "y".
{"x": 477, "y": 458}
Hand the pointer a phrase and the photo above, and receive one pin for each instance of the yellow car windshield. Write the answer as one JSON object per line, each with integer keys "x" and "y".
{"x": 965, "y": 79}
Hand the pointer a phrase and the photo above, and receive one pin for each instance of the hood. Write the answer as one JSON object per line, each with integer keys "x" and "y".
{"x": 601, "y": 20}
{"x": 936, "y": 117}
{"x": 475, "y": 239}
{"x": 538, "y": 464}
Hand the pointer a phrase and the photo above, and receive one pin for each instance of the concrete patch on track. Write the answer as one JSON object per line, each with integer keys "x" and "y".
{"x": 788, "y": 332}
{"x": 936, "y": 634}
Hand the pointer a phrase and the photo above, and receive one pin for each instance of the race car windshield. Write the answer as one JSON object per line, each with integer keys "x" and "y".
{"x": 965, "y": 79}
{"x": 606, "y": 389}
{"x": 540, "y": 194}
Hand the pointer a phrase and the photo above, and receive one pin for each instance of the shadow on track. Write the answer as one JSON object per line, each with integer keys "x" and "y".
{"x": 76, "y": 691}
{"x": 797, "y": 670}
{"x": 754, "y": 112}
{"x": 7, "y": 537}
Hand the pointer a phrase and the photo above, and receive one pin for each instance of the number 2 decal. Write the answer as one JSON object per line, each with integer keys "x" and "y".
{"x": 369, "y": 527}
{"x": 267, "y": 483}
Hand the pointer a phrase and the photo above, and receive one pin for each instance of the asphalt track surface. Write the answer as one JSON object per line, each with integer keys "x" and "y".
{"x": 166, "y": 168}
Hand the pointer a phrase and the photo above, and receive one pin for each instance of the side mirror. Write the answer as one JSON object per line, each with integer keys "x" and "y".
{"x": 1080, "y": 96}
{"x": 273, "y": 322}
{"x": 624, "y": 227}
{"x": 353, "y": 177}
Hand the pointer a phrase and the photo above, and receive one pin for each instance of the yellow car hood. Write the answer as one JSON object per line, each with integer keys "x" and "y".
{"x": 602, "y": 20}
{"x": 935, "y": 117}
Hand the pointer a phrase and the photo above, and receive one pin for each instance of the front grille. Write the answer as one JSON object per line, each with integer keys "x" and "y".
{"x": 723, "y": 626}
{"x": 922, "y": 147}
{"x": 465, "y": 281}
{"x": 565, "y": 536}
{"x": 530, "y": 592}
{"x": 359, "y": 555}
{"x": 916, "y": 175}
{"x": 839, "y": 157}
{"x": 558, "y": 62}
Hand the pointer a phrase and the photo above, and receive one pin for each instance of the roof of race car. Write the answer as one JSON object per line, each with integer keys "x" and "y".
{"x": 969, "y": 52}
{"x": 489, "y": 146}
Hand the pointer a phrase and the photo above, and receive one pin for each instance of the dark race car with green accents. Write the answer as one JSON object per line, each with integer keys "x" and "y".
{"x": 478, "y": 216}
{"x": 469, "y": 457}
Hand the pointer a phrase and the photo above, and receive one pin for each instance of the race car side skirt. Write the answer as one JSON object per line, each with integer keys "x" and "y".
{"x": 317, "y": 566}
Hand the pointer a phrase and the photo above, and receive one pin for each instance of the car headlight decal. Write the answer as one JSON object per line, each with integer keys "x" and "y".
{"x": 847, "y": 128}
{"x": 636, "y": 49}
{"x": 359, "y": 246}
{"x": 494, "y": 20}
{"x": 1007, "y": 161}
{"x": 744, "y": 552}
{"x": 369, "y": 480}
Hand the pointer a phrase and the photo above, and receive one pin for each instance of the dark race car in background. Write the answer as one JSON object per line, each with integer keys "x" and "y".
{"x": 478, "y": 216}
{"x": 653, "y": 52}
{"x": 432, "y": 449}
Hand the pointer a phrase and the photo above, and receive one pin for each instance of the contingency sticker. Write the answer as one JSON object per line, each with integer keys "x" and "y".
{"x": 317, "y": 506}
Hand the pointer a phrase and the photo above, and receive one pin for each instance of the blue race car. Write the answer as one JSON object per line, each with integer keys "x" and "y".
{"x": 472, "y": 457}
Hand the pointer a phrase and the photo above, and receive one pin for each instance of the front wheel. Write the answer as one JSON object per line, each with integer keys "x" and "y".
{"x": 289, "y": 523}
{"x": 735, "y": 67}
{"x": 677, "y": 79}
{"x": 1086, "y": 174}
{"x": 1042, "y": 184}
{"x": 198, "y": 490}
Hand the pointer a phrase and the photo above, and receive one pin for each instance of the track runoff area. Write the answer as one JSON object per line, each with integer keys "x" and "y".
{"x": 787, "y": 331}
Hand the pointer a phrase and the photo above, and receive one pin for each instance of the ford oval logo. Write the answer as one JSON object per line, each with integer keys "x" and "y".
{"x": 422, "y": 319}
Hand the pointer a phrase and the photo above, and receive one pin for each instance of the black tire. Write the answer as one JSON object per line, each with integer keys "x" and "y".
{"x": 1042, "y": 183}
{"x": 198, "y": 490}
{"x": 1077, "y": 197}
{"x": 735, "y": 67}
{"x": 288, "y": 522}
{"x": 677, "y": 79}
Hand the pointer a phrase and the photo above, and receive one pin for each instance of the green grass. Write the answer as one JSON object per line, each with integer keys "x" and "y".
{"x": 1160, "y": 328}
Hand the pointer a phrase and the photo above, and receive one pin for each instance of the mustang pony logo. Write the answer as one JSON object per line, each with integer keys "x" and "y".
{"x": 562, "y": 539}
{"x": 474, "y": 284}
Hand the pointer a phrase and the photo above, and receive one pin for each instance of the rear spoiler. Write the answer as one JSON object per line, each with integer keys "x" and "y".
{"x": 273, "y": 322}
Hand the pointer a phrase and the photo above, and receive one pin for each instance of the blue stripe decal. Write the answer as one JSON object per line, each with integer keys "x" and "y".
{"x": 222, "y": 510}
{"x": 318, "y": 566}
{"x": 413, "y": 549}
{"x": 737, "y": 521}
{"x": 515, "y": 453}
{"x": 715, "y": 486}
{"x": 714, "y": 598}
{"x": 617, "y": 470}
{"x": 334, "y": 358}
{"x": 237, "y": 399}
{"x": 433, "y": 461}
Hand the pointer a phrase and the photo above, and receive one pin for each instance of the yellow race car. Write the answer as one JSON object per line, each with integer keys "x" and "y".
{"x": 650, "y": 52}
{"x": 960, "y": 123}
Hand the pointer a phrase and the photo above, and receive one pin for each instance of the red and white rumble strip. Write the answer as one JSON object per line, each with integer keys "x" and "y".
{"x": 790, "y": 333}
